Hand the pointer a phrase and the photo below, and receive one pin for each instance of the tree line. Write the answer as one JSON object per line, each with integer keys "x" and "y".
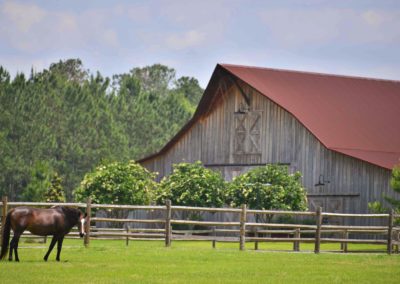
{"x": 59, "y": 124}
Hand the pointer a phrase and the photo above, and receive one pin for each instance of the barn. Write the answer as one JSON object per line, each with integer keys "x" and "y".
{"x": 342, "y": 133}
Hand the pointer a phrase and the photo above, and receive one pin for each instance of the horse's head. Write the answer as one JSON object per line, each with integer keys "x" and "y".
{"x": 81, "y": 224}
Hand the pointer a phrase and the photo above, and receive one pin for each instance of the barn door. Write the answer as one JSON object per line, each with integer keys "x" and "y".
{"x": 334, "y": 205}
{"x": 329, "y": 204}
{"x": 314, "y": 203}
{"x": 247, "y": 137}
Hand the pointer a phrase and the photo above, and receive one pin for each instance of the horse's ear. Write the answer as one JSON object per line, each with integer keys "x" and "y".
{"x": 85, "y": 215}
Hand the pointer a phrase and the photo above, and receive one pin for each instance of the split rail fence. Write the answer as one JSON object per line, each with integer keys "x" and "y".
{"x": 240, "y": 231}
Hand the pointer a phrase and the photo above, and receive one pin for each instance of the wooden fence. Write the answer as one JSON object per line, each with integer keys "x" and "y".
{"x": 240, "y": 231}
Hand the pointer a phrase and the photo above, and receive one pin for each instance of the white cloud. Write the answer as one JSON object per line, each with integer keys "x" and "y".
{"x": 373, "y": 18}
{"x": 110, "y": 37}
{"x": 34, "y": 29}
{"x": 295, "y": 27}
{"x": 194, "y": 35}
{"x": 23, "y": 16}
{"x": 135, "y": 12}
{"x": 200, "y": 19}
{"x": 67, "y": 23}
{"x": 301, "y": 27}
{"x": 188, "y": 39}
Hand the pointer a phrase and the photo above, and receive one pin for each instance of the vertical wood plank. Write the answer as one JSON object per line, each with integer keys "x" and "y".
{"x": 318, "y": 231}
{"x": 168, "y": 230}
{"x": 390, "y": 233}
{"x": 86, "y": 240}
{"x": 243, "y": 218}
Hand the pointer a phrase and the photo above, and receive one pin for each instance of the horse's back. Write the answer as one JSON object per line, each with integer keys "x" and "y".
{"x": 20, "y": 215}
{"x": 36, "y": 220}
{"x": 20, "y": 218}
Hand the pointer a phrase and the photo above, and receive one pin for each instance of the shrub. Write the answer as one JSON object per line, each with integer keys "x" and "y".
{"x": 117, "y": 183}
{"x": 268, "y": 187}
{"x": 191, "y": 184}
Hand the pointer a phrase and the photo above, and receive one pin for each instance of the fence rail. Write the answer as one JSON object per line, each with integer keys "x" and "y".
{"x": 241, "y": 230}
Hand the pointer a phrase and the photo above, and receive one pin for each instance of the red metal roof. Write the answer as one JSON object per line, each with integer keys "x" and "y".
{"x": 359, "y": 117}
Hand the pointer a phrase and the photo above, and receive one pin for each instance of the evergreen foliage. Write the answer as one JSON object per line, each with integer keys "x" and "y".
{"x": 55, "y": 192}
{"x": 72, "y": 120}
{"x": 40, "y": 181}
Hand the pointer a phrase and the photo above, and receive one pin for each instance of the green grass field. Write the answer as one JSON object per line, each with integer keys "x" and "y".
{"x": 197, "y": 262}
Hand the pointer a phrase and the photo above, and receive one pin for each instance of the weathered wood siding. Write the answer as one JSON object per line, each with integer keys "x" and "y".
{"x": 231, "y": 140}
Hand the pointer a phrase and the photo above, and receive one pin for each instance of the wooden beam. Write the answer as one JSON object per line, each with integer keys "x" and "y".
{"x": 318, "y": 231}
{"x": 243, "y": 219}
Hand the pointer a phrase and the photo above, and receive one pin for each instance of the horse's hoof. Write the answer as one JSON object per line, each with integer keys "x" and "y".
{"x": 58, "y": 259}
{"x": 45, "y": 259}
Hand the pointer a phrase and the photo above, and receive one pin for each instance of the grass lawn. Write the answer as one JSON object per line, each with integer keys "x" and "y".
{"x": 196, "y": 262}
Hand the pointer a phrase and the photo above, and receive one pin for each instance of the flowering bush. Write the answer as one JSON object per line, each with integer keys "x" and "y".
{"x": 192, "y": 185}
{"x": 117, "y": 183}
{"x": 268, "y": 187}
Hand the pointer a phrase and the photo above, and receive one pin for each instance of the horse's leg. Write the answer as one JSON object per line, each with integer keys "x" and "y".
{"x": 59, "y": 246}
{"x": 10, "y": 253}
{"x": 17, "y": 236}
{"x": 53, "y": 242}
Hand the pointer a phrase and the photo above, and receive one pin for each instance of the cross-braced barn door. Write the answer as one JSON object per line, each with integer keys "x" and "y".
{"x": 247, "y": 137}
{"x": 329, "y": 204}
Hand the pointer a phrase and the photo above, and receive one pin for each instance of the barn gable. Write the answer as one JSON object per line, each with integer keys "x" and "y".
{"x": 236, "y": 127}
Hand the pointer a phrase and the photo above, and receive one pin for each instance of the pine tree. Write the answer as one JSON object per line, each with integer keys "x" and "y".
{"x": 70, "y": 120}
{"x": 55, "y": 192}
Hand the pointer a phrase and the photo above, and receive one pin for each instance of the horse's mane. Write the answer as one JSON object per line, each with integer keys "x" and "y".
{"x": 70, "y": 213}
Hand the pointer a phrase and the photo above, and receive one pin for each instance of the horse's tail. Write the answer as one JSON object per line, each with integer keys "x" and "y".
{"x": 5, "y": 237}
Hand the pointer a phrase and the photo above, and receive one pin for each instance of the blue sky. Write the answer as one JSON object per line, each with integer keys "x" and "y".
{"x": 343, "y": 37}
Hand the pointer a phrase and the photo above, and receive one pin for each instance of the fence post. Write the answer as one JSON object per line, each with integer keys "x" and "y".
{"x": 168, "y": 230}
{"x": 127, "y": 234}
{"x": 390, "y": 233}
{"x": 318, "y": 231}
{"x": 256, "y": 236}
{"x": 87, "y": 223}
{"x": 4, "y": 210}
{"x": 243, "y": 218}
{"x": 343, "y": 246}
{"x": 214, "y": 232}
{"x": 296, "y": 244}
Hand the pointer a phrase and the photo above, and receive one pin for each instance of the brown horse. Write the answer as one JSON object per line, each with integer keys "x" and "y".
{"x": 56, "y": 221}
